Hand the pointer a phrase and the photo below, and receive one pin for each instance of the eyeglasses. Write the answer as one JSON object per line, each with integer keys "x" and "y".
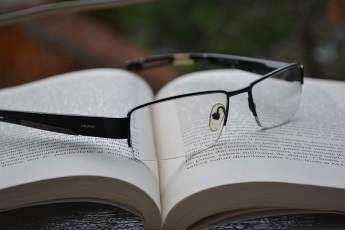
{"x": 192, "y": 121}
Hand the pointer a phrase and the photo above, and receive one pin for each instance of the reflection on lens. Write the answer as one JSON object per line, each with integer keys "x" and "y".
{"x": 277, "y": 98}
{"x": 181, "y": 126}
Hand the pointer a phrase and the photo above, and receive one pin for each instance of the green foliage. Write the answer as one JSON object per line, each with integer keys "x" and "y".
{"x": 268, "y": 29}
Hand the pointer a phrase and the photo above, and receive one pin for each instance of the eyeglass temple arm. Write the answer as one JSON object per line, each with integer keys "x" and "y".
{"x": 116, "y": 128}
{"x": 254, "y": 65}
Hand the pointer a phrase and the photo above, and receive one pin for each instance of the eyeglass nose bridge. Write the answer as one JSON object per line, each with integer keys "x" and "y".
{"x": 251, "y": 103}
{"x": 252, "y": 107}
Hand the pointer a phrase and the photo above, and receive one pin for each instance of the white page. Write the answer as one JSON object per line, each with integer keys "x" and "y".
{"x": 310, "y": 149}
{"x": 28, "y": 155}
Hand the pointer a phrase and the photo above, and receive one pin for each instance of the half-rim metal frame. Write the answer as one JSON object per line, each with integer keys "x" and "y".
{"x": 228, "y": 94}
{"x": 119, "y": 127}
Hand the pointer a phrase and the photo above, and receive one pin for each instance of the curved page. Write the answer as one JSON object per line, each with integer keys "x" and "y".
{"x": 308, "y": 150}
{"x": 29, "y": 155}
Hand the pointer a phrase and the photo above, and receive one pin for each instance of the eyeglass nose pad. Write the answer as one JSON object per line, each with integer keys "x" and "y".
{"x": 217, "y": 115}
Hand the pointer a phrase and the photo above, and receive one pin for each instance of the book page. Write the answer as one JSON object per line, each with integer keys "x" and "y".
{"x": 28, "y": 155}
{"x": 310, "y": 149}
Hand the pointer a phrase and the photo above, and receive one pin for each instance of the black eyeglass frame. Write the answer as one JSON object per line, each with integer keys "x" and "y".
{"x": 119, "y": 128}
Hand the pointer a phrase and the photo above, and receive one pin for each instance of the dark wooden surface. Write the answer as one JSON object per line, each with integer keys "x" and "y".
{"x": 96, "y": 216}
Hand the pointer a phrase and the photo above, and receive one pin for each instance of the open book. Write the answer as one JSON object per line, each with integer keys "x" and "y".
{"x": 298, "y": 166}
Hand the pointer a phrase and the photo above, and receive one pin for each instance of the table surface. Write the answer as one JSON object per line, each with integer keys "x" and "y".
{"x": 97, "y": 216}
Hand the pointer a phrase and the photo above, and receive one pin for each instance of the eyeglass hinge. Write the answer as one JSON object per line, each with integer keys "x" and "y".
{"x": 182, "y": 59}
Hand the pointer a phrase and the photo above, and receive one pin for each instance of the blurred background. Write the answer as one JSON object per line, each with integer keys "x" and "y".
{"x": 309, "y": 32}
